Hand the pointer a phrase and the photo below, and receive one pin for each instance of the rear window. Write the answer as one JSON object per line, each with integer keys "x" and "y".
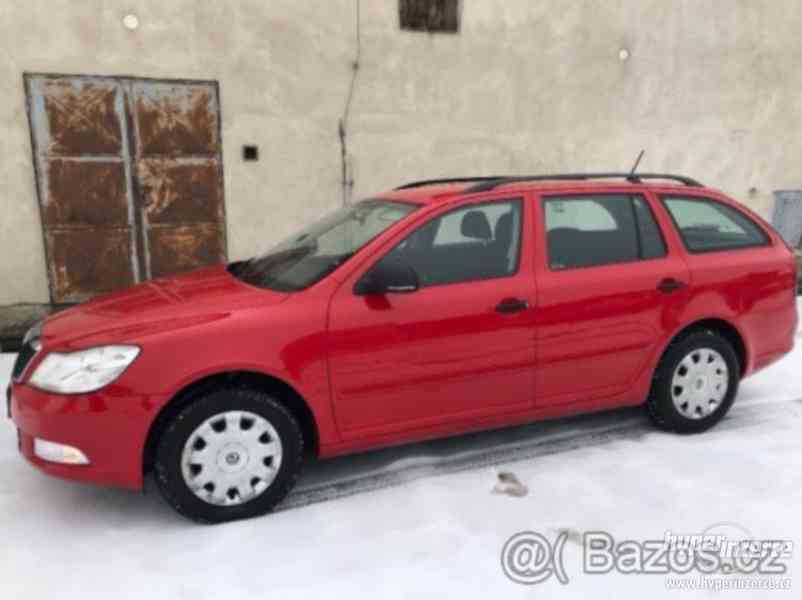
{"x": 707, "y": 225}
{"x": 592, "y": 230}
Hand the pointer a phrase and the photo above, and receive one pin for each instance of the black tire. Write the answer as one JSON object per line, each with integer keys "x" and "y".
{"x": 660, "y": 404}
{"x": 168, "y": 471}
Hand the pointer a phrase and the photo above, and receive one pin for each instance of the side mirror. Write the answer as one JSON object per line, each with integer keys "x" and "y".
{"x": 388, "y": 278}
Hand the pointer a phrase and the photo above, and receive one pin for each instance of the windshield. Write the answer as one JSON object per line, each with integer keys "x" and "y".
{"x": 312, "y": 253}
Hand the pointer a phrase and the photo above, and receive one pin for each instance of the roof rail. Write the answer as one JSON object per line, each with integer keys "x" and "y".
{"x": 423, "y": 182}
{"x": 489, "y": 183}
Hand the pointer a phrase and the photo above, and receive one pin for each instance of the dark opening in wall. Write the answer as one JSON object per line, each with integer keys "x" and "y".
{"x": 429, "y": 15}
{"x": 250, "y": 153}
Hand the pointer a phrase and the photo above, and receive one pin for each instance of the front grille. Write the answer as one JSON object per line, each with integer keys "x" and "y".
{"x": 25, "y": 355}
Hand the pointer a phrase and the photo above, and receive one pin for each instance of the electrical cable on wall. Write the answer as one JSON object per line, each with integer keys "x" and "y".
{"x": 347, "y": 178}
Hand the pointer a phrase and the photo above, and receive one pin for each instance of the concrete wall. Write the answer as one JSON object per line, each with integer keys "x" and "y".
{"x": 711, "y": 88}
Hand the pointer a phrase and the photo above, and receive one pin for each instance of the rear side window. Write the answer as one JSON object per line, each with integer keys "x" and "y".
{"x": 594, "y": 230}
{"x": 706, "y": 225}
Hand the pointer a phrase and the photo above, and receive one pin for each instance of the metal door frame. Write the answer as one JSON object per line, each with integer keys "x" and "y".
{"x": 140, "y": 268}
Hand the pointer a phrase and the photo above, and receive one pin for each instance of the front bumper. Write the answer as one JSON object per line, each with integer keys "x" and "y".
{"x": 109, "y": 426}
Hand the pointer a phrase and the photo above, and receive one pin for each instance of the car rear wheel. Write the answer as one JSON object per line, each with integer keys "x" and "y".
{"x": 695, "y": 383}
{"x": 231, "y": 454}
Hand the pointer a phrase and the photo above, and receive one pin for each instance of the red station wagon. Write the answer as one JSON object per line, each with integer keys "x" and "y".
{"x": 437, "y": 308}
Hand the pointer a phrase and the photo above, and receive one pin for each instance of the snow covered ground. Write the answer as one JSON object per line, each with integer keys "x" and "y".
{"x": 421, "y": 520}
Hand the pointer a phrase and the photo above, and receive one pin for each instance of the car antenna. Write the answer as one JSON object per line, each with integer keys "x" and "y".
{"x": 632, "y": 176}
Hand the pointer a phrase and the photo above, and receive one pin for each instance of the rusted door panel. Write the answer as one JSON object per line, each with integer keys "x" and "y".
{"x": 85, "y": 193}
{"x": 182, "y": 248}
{"x": 85, "y": 262}
{"x": 129, "y": 176}
{"x": 77, "y": 116}
{"x": 180, "y": 192}
{"x": 179, "y": 173}
{"x": 176, "y": 119}
{"x": 79, "y": 140}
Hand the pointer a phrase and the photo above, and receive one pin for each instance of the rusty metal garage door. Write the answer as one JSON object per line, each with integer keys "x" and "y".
{"x": 129, "y": 176}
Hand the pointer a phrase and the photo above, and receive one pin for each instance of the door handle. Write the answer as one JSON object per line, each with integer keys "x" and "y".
{"x": 670, "y": 285}
{"x": 511, "y": 305}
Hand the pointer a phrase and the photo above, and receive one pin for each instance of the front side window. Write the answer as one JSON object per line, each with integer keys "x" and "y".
{"x": 312, "y": 253}
{"x": 593, "y": 230}
{"x": 707, "y": 225}
{"x": 480, "y": 241}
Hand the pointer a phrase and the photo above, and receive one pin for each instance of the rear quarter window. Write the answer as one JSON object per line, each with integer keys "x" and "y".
{"x": 707, "y": 225}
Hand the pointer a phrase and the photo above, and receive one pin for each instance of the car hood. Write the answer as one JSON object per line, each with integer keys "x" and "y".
{"x": 155, "y": 307}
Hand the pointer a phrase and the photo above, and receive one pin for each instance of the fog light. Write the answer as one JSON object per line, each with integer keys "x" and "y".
{"x": 58, "y": 453}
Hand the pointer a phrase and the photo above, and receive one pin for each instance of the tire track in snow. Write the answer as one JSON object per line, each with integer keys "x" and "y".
{"x": 358, "y": 474}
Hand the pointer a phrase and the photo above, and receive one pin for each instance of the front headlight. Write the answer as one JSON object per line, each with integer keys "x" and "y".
{"x": 84, "y": 371}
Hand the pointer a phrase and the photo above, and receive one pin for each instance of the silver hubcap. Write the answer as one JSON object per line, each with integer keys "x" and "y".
{"x": 700, "y": 383}
{"x": 231, "y": 458}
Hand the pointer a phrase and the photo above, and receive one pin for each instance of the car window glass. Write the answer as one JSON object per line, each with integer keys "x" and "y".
{"x": 318, "y": 249}
{"x": 479, "y": 241}
{"x": 578, "y": 213}
{"x": 705, "y": 225}
{"x": 449, "y": 229}
{"x": 591, "y": 230}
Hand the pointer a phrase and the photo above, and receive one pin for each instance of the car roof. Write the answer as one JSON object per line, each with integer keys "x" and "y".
{"x": 438, "y": 191}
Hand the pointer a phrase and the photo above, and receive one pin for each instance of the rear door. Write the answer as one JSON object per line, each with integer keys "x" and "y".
{"x": 609, "y": 284}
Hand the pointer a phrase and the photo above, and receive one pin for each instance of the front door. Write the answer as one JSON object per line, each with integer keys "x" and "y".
{"x": 461, "y": 346}
{"x": 129, "y": 175}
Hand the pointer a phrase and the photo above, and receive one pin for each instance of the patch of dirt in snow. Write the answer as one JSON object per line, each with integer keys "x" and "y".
{"x": 507, "y": 483}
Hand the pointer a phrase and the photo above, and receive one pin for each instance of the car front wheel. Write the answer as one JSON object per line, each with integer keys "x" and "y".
{"x": 231, "y": 454}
